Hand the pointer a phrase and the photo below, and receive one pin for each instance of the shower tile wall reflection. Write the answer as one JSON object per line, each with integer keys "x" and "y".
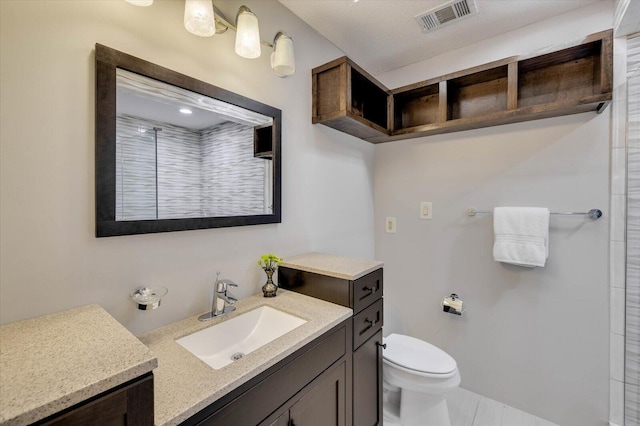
{"x": 179, "y": 172}
{"x": 632, "y": 331}
{"x": 204, "y": 173}
{"x": 135, "y": 170}
{"x": 233, "y": 180}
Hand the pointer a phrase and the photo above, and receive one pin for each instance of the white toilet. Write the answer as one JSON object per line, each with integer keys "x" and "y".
{"x": 423, "y": 373}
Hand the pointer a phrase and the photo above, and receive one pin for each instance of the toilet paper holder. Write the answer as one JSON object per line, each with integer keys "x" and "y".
{"x": 453, "y": 304}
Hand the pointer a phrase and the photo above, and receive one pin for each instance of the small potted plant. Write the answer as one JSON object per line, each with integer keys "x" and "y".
{"x": 269, "y": 262}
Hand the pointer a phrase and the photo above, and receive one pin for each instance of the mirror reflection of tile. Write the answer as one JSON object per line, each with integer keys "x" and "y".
{"x": 185, "y": 167}
{"x": 199, "y": 174}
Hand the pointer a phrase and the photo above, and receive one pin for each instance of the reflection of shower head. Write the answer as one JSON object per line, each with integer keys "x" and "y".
{"x": 157, "y": 129}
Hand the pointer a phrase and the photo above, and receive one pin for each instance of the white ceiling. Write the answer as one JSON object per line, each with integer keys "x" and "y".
{"x": 382, "y": 35}
{"x": 136, "y": 104}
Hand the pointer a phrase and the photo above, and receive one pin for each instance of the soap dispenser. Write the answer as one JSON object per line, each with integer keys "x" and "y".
{"x": 452, "y": 304}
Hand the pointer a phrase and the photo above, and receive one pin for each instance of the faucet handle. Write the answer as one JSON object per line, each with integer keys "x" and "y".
{"x": 227, "y": 282}
{"x": 221, "y": 285}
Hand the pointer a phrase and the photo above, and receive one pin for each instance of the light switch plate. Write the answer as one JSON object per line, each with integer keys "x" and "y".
{"x": 390, "y": 225}
{"x": 426, "y": 210}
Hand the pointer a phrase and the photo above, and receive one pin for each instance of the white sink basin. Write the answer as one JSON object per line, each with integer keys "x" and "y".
{"x": 230, "y": 340}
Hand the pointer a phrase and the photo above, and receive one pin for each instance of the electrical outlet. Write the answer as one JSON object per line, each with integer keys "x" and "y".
{"x": 426, "y": 210}
{"x": 390, "y": 225}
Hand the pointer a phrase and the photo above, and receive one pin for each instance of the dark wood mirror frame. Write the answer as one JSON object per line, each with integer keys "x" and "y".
{"x": 107, "y": 60}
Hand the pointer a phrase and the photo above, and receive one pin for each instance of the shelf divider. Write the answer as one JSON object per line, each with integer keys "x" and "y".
{"x": 512, "y": 86}
{"x": 442, "y": 106}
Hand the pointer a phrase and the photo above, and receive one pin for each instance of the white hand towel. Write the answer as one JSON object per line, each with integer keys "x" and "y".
{"x": 521, "y": 235}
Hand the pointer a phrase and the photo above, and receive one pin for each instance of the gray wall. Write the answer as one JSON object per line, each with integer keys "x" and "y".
{"x": 536, "y": 339}
{"x": 49, "y": 257}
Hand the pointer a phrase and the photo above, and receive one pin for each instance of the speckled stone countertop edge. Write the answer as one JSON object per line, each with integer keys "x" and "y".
{"x": 184, "y": 385}
{"x": 53, "y": 407}
{"x": 348, "y": 268}
{"x": 27, "y": 343}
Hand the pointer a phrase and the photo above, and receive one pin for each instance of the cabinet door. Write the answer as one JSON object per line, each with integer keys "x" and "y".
{"x": 325, "y": 403}
{"x": 130, "y": 405}
{"x": 110, "y": 410}
{"x": 367, "y": 382}
{"x": 281, "y": 420}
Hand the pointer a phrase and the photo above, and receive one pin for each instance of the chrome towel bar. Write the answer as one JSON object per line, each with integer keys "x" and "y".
{"x": 594, "y": 214}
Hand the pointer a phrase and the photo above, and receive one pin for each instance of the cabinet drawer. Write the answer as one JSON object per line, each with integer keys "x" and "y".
{"x": 366, "y": 290}
{"x": 367, "y": 323}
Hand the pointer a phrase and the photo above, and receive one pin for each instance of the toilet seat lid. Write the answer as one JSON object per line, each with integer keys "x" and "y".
{"x": 418, "y": 355}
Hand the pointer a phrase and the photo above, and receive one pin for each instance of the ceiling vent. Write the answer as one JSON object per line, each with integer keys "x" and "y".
{"x": 448, "y": 13}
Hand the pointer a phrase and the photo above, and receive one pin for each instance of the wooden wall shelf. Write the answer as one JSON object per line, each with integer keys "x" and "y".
{"x": 263, "y": 142}
{"x": 349, "y": 99}
{"x": 572, "y": 80}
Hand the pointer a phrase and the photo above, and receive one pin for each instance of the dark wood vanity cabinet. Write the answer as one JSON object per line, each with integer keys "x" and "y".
{"x": 322, "y": 404}
{"x": 325, "y": 403}
{"x": 367, "y": 382}
{"x": 307, "y": 388}
{"x": 364, "y": 296}
{"x": 130, "y": 404}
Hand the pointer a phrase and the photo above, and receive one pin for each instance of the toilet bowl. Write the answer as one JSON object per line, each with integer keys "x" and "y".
{"x": 423, "y": 373}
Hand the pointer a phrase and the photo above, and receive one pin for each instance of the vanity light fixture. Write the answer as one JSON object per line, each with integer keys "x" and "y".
{"x": 203, "y": 19}
{"x": 283, "y": 60}
{"x": 199, "y": 18}
{"x": 247, "y": 34}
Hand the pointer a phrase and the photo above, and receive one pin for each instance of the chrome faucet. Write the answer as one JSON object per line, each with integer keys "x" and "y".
{"x": 222, "y": 299}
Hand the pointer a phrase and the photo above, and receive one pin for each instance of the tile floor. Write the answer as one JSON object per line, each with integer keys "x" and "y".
{"x": 470, "y": 409}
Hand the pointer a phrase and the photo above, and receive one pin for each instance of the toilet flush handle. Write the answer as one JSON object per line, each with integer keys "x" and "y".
{"x": 382, "y": 345}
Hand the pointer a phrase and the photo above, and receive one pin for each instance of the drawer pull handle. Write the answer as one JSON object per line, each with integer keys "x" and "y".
{"x": 382, "y": 345}
{"x": 371, "y": 290}
{"x": 369, "y": 325}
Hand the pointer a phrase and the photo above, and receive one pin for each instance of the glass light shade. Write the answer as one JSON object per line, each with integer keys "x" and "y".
{"x": 283, "y": 61}
{"x": 199, "y": 18}
{"x": 140, "y": 2}
{"x": 248, "y": 34}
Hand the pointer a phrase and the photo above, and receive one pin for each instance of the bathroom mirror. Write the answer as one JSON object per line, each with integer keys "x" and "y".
{"x": 174, "y": 153}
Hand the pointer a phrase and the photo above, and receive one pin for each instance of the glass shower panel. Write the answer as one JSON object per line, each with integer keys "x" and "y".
{"x": 136, "y": 180}
{"x": 632, "y": 331}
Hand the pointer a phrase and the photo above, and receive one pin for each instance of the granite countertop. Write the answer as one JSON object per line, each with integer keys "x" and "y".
{"x": 348, "y": 268}
{"x": 184, "y": 384}
{"x": 52, "y": 362}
